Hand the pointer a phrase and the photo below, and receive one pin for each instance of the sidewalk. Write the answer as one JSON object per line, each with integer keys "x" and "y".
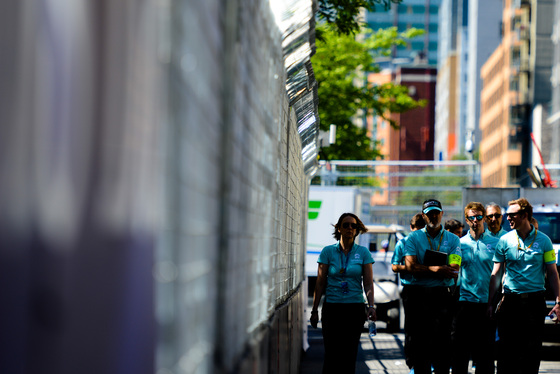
{"x": 382, "y": 355}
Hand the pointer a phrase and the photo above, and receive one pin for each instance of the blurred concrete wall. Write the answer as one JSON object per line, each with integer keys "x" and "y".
{"x": 154, "y": 163}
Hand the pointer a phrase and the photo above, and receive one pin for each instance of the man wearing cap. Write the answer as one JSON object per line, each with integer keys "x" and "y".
{"x": 473, "y": 332}
{"x": 526, "y": 255}
{"x": 433, "y": 257}
{"x": 494, "y": 220}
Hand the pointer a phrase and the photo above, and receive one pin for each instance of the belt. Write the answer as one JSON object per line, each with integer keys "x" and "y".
{"x": 525, "y": 296}
{"x": 429, "y": 290}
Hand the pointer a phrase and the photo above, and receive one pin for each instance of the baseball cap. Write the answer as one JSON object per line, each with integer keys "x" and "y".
{"x": 430, "y": 205}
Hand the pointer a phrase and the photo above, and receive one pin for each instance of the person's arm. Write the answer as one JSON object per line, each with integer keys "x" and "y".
{"x": 320, "y": 286}
{"x": 445, "y": 271}
{"x": 368, "y": 288}
{"x": 552, "y": 274}
{"x": 398, "y": 268}
{"x": 495, "y": 283}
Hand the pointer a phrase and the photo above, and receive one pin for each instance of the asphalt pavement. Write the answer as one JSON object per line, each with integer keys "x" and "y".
{"x": 384, "y": 354}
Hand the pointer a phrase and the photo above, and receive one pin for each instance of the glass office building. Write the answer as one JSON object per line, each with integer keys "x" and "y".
{"x": 421, "y": 14}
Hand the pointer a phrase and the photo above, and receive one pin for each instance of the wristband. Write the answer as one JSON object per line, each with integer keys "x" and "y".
{"x": 371, "y": 306}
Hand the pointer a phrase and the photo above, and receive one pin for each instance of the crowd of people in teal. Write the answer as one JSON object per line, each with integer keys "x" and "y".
{"x": 464, "y": 293}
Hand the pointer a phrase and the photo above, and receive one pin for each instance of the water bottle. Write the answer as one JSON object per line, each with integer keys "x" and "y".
{"x": 372, "y": 329}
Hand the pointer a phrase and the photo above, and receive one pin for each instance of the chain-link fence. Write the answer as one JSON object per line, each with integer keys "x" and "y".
{"x": 398, "y": 188}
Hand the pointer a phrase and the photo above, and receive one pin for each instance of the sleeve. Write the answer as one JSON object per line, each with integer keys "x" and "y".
{"x": 456, "y": 250}
{"x": 549, "y": 253}
{"x": 398, "y": 254}
{"x": 410, "y": 245}
{"x": 368, "y": 259}
{"x": 324, "y": 256}
{"x": 499, "y": 254}
{"x": 455, "y": 256}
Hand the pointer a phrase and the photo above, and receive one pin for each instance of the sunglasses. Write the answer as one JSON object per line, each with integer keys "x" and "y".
{"x": 348, "y": 225}
{"x": 511, "y": 215}
{"x": 495, "y": 215}
{"x": 478, "y": 218}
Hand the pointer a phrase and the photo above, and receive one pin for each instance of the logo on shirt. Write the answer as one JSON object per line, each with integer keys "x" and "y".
{"x": 357, "y": 256}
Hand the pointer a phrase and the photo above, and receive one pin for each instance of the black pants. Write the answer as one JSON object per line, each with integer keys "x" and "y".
{"x": 342, "y": 325}
{"x": 472, "y": 335}
{"x": 520, "y": 330}
{"x": 407, "y": 312}
{"x": 429, "y": 328}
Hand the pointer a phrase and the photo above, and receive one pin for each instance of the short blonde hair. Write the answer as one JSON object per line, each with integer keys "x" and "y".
{"x": 474, "y": 205}
{"x": 524, "y": 206}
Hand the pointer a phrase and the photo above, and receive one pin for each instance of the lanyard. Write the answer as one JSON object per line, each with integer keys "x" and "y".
{"x": 429, "y": 241}
{"x": 530, "y": 245}
{"x": 343, "y": 269}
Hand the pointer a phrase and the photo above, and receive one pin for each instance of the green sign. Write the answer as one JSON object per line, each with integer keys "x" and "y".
{"x": 314, "y": 207}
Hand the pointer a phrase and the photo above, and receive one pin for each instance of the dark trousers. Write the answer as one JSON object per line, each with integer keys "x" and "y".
{"x": 520, "y": 330}
{"x": 429, "y": 328}
{"x": 472, "y": 335}
{"x": 407, "y": 312}
{"x": 342, "y": 325}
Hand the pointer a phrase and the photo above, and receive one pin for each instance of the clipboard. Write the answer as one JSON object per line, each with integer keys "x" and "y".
{"x": 435, "y": 258}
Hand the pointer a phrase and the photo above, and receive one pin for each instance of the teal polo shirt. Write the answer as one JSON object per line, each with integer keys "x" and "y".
{"x": 524, "y": 266}
{"x": 333, "y": 256}
{"x": 476, "y": 267}
{"x": 398, "y": 259}
{"x": 418, "y": 243}
{"x": 498, "y": 235}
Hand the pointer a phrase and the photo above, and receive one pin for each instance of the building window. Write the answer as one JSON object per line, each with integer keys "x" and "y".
{"x": 417, "y": 46}
{"x": 402, "y": 9}
{"x": 513, "y": 175}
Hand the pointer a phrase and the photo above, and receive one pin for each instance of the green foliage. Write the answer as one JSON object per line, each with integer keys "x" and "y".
{"x": 342, "y": 15}
{"x": 339, "y": 65}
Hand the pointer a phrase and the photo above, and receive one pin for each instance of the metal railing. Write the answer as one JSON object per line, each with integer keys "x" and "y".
{"x": 398, "y": 188}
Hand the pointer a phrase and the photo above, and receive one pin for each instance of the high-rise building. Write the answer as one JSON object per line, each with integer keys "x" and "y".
{"x": 447, "y": 133}
{"x": 465, "y": 140}
{"x": 447, "y": 137}
{"x": 466, "y": 39}
{"x": 414, "y": 140}
{"x": 484, "y": 35}
{"x": 516, "y": 85}
{"x": 420, "y": 14}
{"x": 551, "y": 142}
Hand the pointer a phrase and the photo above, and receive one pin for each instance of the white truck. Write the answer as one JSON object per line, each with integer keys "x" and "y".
{"x": 326, "y": 204}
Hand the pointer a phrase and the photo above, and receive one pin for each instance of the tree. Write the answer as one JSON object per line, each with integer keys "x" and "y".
{"x": 342, "y": 15}
{"x": 339, "y": 64}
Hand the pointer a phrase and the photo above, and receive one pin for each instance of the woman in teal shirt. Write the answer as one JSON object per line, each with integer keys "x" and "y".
{"x": 343, "y": 268}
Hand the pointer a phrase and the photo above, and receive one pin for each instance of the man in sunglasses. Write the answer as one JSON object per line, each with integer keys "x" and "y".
{"x": 525, "y": 254}
{"x": 494, "y": 220}
{"x": 433, "y": 257}
{"x": 473, "y": 332}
